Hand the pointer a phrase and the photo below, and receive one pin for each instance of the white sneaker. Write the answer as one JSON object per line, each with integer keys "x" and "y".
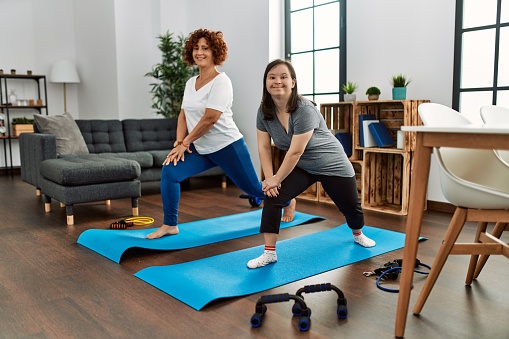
{"x": 268, "y": 257}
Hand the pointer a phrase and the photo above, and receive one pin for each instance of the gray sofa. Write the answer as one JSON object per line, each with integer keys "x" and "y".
{"x": 121, "y": 154}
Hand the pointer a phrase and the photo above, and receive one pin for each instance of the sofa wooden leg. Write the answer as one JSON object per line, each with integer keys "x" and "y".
{"x": 70, "y": 216}
{"x": 107, "y": 202}
{"x": 47, "y": 203}
{"x": 134, "y": 204}
{"x": 62, "y": 205}
{"x": 38, "y": 192}
{"x": 224, "y": 182}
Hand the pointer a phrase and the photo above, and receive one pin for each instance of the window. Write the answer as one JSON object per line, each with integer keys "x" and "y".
{"x": 481, "y": 55}
{"x": 316, "y": 44}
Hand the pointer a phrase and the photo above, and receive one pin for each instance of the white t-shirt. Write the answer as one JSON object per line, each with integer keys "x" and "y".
{"x": 218, "y": 95}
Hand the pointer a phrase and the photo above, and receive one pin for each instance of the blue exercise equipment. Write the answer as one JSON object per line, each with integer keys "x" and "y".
{"x": 341, "y": 311}
{"x": 253, "y": 201}
{"x": 261, "y": 309}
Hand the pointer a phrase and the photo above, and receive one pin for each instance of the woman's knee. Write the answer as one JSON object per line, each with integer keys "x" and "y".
{"x": 172, "y": 174}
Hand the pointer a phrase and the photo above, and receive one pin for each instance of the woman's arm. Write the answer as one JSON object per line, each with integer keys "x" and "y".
{"x": 181, "y": 127}
{"x": 206, "y": 122}
{"x": 265, "y": 153}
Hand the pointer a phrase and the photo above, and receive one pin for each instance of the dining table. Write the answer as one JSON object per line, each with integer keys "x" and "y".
{"x": 477, "y": 136}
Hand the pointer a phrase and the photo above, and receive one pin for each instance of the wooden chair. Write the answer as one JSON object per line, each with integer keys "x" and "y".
{"x": 477, "y": 183}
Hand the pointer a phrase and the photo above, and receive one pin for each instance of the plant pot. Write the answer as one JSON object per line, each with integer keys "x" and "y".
{"x": 372, "y": 97}
{"x": 22, "y": 128}
{"x": 350, "y": 97}
{"x": 399, "y": 93}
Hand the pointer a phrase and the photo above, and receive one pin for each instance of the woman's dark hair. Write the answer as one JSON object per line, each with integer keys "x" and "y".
{"x": 268, "y": 107}
{"x": 215, "y": 41}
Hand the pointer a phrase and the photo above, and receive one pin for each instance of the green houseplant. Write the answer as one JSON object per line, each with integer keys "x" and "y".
{"x": 399, "y": 83}
{"x": 349, "y": 88}
{"x": 373, "y": 93}
{"x": 171, "y": 75}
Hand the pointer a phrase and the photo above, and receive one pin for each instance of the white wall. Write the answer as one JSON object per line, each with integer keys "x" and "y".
{"x": 113, "y": 44}
{"x": 96, "y": 59}
{"x": 136, "y": 27}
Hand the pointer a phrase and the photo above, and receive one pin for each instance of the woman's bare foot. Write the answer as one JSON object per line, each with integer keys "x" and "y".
{"x": 163, "y": 231}
{"x": 289, "y": 211}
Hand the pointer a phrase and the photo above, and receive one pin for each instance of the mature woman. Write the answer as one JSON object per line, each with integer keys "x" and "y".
{"x": 207, "y": 136}
{"x": 313, "y": 154}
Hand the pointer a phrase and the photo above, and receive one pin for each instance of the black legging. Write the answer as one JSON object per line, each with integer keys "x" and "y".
{"x": 342, "y": 190}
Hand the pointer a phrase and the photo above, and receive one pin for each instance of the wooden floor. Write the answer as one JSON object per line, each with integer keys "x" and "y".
{"x": 51, "y": 287}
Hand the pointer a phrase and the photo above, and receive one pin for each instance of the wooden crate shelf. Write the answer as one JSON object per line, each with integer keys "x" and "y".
{"x": 386, "y": 181}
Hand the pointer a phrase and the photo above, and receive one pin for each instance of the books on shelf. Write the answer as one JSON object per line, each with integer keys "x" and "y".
{"x": 381, "y": 134}
{"x": 346, "y": 141}
{"x": 362, "y": 118}
{"x": 369, "y": 140}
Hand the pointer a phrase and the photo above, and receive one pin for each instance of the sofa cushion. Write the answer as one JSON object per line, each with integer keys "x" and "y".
{"x": 145, "y": 159}
{"x": 159, "y": 157}
{"x": 102, "y": 136}
{"x": 89, "y": 169}
{"x": 149, "y": 134}
{"x": 64, "y": 128}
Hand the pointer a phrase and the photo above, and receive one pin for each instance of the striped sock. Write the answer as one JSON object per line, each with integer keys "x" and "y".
{"x": 269, "y": 256}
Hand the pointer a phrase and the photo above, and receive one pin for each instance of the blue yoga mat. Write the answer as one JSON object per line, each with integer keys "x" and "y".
{"x": 113, "y": 243}
{"x": 199, "y": 282}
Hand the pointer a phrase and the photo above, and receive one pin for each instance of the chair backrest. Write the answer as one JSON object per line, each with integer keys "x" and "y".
{"x": 491, "y": 114}
{"x": 468, "y": 177}
{"x": 433, "y": 114}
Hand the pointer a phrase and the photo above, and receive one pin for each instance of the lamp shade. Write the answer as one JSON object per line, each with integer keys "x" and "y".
{"x": 63, "y": 71}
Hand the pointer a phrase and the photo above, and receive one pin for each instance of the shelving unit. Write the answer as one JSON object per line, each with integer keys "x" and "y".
{"x": 10, "y": 110}
{"x": 383, "y": 174}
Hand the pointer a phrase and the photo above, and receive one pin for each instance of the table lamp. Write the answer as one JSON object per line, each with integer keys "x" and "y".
{"x": 64, "y": 72}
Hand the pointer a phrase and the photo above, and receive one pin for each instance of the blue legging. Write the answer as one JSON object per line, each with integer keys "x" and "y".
{"x": 233, "y": 159}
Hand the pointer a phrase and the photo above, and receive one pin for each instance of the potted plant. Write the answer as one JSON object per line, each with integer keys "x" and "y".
{"x": 399, "y": 83}
{"x": 373, "y": 93}
{"x": 171, "y": 75}
{"x": 22, "y": 125}
{"x": 349, "y": 88}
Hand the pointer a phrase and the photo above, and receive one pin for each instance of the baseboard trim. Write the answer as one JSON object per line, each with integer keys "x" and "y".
{"x": 440, "y": 206}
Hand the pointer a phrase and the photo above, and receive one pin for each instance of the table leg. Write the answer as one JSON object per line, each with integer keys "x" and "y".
{"x": 418, "y": 188}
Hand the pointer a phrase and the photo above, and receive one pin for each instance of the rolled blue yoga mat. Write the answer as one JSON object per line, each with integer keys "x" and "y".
{"x": 199, "y": 282}
{"x": 113, "y": 243}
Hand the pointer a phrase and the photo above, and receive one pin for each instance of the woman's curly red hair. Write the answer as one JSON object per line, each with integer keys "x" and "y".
{"x": 215, "y": 41}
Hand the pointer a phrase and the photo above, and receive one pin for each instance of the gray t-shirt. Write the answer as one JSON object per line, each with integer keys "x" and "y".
{"x": 324, "y": 154}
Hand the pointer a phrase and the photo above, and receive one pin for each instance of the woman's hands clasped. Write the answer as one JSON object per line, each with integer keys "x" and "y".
{"x": 271, "y": 186}
{"x": 176, "y": 154}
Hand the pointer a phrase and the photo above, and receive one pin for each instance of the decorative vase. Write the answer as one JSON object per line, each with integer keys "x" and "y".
{"x": 350, "y": 97}
{"x": 399, "y": 93}
{"x": 372, "y": 97}
{"x": 13, "y": 98}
